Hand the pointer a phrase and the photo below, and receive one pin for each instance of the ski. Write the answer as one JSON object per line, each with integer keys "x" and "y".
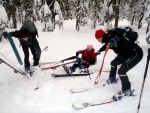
{"x": 14, "y": 49}
{"x": 45, "y": 63}
{"x": 69, "y": 75}
{"x": 79, "y": 90}
{"x": 89, "y": 104}
{"x": 56, "y": 66}
{"x": 15, "y": 70}
{"x": 83, "y": 105}
{"x": 57, "y": 62}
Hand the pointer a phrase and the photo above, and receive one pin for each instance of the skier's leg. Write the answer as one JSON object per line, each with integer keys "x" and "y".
{"x": 26, "y": 55}
{"x": 36, "y": 57}
{"x": 133, "y": 60}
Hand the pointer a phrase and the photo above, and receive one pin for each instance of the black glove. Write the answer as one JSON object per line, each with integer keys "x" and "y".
{"x": 77, "y": 54}
{"x": 114, "y": 41}
{"x": 98, "y": 53}
{"x": 5, "y": 34}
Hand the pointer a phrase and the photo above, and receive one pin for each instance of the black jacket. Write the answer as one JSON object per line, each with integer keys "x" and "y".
{"x": 31, "y": 40}
{"x": 124, "y": 47}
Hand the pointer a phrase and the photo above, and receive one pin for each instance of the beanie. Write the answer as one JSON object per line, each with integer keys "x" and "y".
{"x": 99, "y": 33}
{"x": 23, "y": 31}
{"x": 89, "y": 47}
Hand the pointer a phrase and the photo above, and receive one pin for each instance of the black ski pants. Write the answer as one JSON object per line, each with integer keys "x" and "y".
{"x": 124, "y": 65}
{"x": 36, "y": 52}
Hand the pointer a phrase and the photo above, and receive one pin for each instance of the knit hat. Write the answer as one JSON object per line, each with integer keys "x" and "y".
{"x": 23, "y": 31}
{"x": 89, "y": 47}
{"x": 99, "y": 33}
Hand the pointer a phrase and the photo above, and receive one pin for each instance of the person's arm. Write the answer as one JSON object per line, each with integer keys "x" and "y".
{"x": 15, "y": 34}
{"x": 102, "y": 48}
{"x": 80, "y": 52}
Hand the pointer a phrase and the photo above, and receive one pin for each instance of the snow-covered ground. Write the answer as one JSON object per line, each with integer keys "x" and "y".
{"x": 17, "y": 94}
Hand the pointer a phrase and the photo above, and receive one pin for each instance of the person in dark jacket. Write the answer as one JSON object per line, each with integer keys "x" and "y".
{"x": 28, "y": 41}
{"x": 88, "y": 57}
{"x": 128, "y": 53}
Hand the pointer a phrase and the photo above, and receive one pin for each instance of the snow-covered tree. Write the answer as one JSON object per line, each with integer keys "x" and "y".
{"x": 46, "y": 18}
{"x": 81, "y": 14}
{"x": 93, "y": 13}
{"x": 105, "y": 15}
{"x": 147, "y": 20}
{"x": 57, "y": 10}
{"x": 3, "y": 20}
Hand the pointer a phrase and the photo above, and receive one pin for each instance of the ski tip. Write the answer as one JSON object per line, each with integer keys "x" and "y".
{"x": 79, "y": 106}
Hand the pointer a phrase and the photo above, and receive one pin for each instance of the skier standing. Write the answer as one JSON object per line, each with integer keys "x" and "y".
{"x": 128, "y": 53}
{"x": 28, "y": 41}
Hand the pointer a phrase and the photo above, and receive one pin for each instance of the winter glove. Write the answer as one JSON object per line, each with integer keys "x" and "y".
{"x": 77, "y": 54}
{"x": 5, "y": 34}
{"x": 98, "y": 53}
{"x": 114, "y": 41}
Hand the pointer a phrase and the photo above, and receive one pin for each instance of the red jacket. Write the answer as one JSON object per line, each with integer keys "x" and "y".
{"x": 88, "y": 56}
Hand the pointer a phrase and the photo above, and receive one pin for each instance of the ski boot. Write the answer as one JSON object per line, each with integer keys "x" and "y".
{"x": 68, "y": 71}
{"x": 28, "y": 70}
{"x": 121, "y": 94}
{"x": 112, "y": 80}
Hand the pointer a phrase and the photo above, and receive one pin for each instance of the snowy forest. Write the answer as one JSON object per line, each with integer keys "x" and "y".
{"x": 86, "y": 12}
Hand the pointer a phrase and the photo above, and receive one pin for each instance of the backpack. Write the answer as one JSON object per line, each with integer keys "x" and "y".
{"x": 30, "y": 26}
{"x": 127, "y": 32}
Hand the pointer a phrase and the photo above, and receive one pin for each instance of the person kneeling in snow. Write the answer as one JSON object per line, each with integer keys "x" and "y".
{"x": 89, "y": 57}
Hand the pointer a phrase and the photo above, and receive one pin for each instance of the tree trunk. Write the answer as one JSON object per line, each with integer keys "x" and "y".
{"x": 14, "y": 20}
{"x": 117, "y": 13}
{"x": 132, "y": 21}
{"x": 140, "y": 21}
{"x": 147, "y": 29}
{"x": 95, "y": 14}
{"x": 78, "y": 17}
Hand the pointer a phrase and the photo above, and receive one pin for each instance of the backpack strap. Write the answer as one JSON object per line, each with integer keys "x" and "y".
{"x": 126, "y": 29}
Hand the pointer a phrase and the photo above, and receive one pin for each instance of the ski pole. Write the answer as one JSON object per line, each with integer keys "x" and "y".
{"x": 100, "y": 71}
{"x": 89, "y": 73}
{"x": 15, "y": 70}
{"x": 145, "y": 74}
{"x": 45, "y": 49}
{"x": 57, "y": 62}
{"x": 70, "y": 58}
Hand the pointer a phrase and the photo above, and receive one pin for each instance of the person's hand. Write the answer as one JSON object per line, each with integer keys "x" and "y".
{"x": 98, "y": 53}
{"x": 77, "y": 54}
{"x": 5, "y": 34}
{"x": 114, "y": 42}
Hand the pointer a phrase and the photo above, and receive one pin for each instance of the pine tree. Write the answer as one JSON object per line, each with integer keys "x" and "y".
{"x": 46, "y": 18}
{"x": 3, "y": 20}
{"x": 147, "y": 19}
{"x": 59, "y": 20}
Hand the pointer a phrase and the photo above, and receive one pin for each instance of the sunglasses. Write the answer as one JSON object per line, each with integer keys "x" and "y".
{"x": 25, "y": 36}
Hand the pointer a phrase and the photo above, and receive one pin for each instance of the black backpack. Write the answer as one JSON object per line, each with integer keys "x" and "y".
{"x": 30, "y": 26}
{"x": 127, "y": 32}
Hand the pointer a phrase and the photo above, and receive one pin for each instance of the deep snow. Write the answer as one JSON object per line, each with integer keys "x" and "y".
{"x": 54, "y": 96}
